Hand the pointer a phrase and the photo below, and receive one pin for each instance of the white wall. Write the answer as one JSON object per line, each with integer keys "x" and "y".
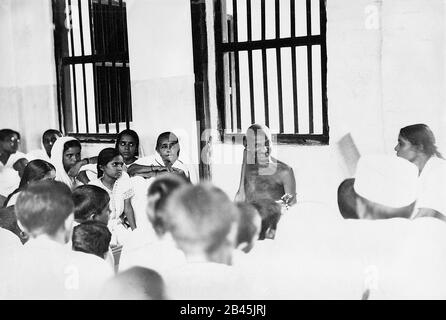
{"x": 161, "y": 72}
{"x": 27, "y": 69}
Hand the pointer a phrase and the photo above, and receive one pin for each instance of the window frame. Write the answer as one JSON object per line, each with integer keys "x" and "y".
{"x": 223, "y": 46}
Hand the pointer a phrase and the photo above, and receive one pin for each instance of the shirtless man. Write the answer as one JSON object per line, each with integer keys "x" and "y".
{"x": 264, "y": 177}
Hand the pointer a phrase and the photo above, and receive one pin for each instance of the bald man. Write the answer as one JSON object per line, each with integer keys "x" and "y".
{"x": 264, "y": 177}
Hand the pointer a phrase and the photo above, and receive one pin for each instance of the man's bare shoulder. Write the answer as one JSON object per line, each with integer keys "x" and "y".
{"x": 282, "y": 166}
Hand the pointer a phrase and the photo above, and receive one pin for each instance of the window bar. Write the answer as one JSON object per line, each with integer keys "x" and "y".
{"x": 119, "y": 70}
{"x": 250, "y": 71}
{"x": 127, "y": 76}
{"x": 293, "y": 63}
{"x": 103, "y": 77}
{"x": 92, "y": 35}
{"x": 237, "y": 69}
{"x": 323, "y": 26}
{"x": 81, "y": 30}
{"x": 113, "y": 49}
{"x": 310, "y": 70}
{"x": 106, "y": 83}
{"x": 279, "y": 68}
{"x": 230, "y": 57}
{"x": 264, "y": 64}
{"x": 73, "y": 68}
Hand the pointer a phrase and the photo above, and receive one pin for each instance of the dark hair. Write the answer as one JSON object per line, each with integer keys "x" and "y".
{"x": 89, "y": 200}
{"x": 5, "y": 133}
{"x": 421, "y": 135}
{"x": 246, "y": 226}
{"x": 270, "y": 212}
{"x": 51, "y": 132}
{"x": 43, "y": 207}
{"x": 104, "y": 157}
{"x": 164, "y": 185}
{"x": 145, "y": 283}
{"x": 164, "y": 135}
{"x": 200, "y": 215}
{"x": 71, "y": 144}
{"x": 34, "y": 171}
{"x": 91, "y": 237}
{"x": 347, "y": 199}
{"x": 131, "y": 133}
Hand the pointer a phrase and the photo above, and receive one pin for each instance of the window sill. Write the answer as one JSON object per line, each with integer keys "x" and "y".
{"x": 94, "y": 137}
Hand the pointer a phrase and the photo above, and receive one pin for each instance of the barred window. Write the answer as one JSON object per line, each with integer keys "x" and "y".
{"x": 272, "y": 67}
{"x": 92, "y": 65}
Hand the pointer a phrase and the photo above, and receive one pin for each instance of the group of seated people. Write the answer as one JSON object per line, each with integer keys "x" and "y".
{"x": 121, "y": 226}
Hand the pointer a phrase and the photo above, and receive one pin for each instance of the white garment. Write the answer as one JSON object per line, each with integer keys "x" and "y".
{"x": 57, "y": 161}
{"x": 45, "y": 269}
{"x": 122, "y": 190}
{"x": 208, "y": 281}
{"x": 160, "y": 255}
{"x": 156, "y": 160}
{"x": 432, "y": 186}
{"x": 9, "y": 242}
{"x": 9, "y": 177}
{"x": 339, "y": 259}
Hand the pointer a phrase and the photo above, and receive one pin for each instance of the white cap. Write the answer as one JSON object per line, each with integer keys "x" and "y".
{"x": 386, "y": 180}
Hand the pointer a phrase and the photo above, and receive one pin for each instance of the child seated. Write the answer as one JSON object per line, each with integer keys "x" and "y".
{"x": 66, "y": 158}
{"x": 91, "y": 203}
{"x": 92, "y": 237}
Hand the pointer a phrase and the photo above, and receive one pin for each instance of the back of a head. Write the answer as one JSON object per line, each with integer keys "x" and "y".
{"x": 160, "y": 190}
{"x": 136, "y": 283}
{"x": 200, "y": 217}
{"x": 91, "y": 237}
{"x": 89, "y": 200}
{"x": 386, "y": 185}
{"x": 270, "y": 212}
{"x": 43, "y": 207}
{"x": 249, "y": 223}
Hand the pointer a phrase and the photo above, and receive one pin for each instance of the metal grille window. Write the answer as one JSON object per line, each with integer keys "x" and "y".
{"x": 92, "y": 61}
{"x": 271, "y": 67}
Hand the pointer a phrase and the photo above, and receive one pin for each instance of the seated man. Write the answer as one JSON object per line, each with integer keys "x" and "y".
{"x": 92, "y": 237}
{"x": 264, "y": 177}
{"x": 46, "y": 268}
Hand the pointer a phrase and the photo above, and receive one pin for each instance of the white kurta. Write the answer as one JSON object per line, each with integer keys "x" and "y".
{"x": 432, "y": 186}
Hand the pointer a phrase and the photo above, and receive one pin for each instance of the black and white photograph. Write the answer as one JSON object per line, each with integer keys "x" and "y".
{"x": 222, "y": 154}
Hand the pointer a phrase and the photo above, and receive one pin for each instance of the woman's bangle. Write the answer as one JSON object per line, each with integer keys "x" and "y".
{"x": 88, "y": 160}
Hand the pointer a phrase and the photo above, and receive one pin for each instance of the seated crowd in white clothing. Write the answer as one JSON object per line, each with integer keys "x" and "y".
{"x": 124, "y": 226}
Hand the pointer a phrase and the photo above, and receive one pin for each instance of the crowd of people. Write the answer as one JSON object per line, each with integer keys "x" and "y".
{"x": 121, "y": 225}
